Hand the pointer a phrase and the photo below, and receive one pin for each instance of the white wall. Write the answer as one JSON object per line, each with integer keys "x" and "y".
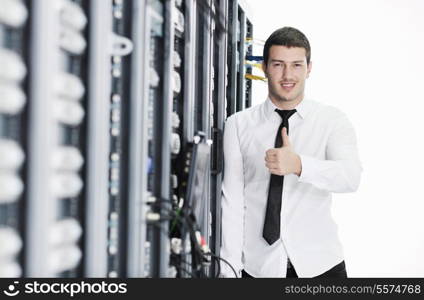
{"x": 368, "y": 60}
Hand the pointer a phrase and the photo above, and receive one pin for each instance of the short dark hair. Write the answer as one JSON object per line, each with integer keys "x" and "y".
{"x": 289, "y": 37}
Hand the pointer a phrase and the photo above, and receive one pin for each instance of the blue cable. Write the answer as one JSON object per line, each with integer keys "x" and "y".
{"x": 255, "y": 58}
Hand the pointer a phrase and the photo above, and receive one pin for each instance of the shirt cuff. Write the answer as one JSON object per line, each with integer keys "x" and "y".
{"x": 308, "y": 168}
{"x": 227, "y": 272}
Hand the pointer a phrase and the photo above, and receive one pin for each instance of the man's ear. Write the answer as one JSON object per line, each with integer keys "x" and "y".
{"x": 264, "y": 68}
{"x": 309, "y": 69}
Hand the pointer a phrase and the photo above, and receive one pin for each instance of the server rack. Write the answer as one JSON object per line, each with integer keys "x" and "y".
{"x": 241, "y": 30}
{"x": 232, "y": 57}
{"x": 56, "y": 177}
{"x": 203, "y": 110}
{"x": 121, "y": 99}
{"x": 99, "y": 138}
{"x": 119, "y": 126}
{"x": 183, "y": 87}
{"x": 13, "y": 135}
{"x": 70, "y": 155}
{"x": 155, "y": 59}
{"x": 220, "y": 82}
{"x": 248, "y": 52}
{"x": 111, "y": 47}
{"x": 138, "y": 262}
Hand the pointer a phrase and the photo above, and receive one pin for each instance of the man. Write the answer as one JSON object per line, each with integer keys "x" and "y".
{"x": 283, "y": 160}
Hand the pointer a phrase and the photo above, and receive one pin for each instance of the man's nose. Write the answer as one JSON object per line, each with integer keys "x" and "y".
{"x": 287, "y": 73}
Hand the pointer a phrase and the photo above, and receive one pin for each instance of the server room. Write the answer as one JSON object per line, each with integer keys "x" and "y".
{"x": 116, "y": 160}
{"x": 111, "y": 124}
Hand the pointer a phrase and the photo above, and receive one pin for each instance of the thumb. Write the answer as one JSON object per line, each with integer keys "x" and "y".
{"x": 286, "y": 141}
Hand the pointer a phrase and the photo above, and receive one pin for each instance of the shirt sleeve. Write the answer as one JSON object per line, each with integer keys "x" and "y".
{"x": 232, "y": 202}
{"x": 341, "y": 171}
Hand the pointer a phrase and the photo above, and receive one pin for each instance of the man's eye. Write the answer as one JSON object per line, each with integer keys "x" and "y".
{"x": 277, "y": 65}
{"x": 298, "y": 65}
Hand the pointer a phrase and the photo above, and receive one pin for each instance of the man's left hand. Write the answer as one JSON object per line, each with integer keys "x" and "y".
{"x": 283, "y": 161}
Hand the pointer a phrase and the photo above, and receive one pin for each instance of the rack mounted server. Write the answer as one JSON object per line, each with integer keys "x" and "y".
{"x": 111, "y": 121}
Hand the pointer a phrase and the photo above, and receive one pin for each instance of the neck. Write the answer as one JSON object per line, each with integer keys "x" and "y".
{"x": 285, "y": 104}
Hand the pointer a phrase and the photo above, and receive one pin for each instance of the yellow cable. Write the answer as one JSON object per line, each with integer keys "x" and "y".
{"x": 256, "y": 41}
{"x": 255, "y": 77}
{"x": 254, "y": 64}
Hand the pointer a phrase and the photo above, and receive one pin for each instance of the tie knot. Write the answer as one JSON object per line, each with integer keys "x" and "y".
{"x": 285, "y": 114}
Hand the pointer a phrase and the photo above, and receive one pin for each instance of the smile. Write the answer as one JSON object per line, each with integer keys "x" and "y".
{"x": 288, "y": 86}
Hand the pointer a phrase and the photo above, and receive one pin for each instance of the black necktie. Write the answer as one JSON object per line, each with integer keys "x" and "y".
{"x": 271, "y": 231}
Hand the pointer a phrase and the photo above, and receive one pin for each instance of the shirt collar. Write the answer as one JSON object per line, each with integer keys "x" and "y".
{"x": 303, "y": 108}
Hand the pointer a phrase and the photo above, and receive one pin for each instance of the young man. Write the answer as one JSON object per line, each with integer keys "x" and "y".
{"x": 283, "y": 160}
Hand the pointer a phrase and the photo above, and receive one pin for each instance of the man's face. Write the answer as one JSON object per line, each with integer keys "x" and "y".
{"x": 287, "y": 71}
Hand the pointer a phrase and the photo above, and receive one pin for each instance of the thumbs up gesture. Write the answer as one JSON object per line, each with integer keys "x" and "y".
{"x": 283, "y": 161}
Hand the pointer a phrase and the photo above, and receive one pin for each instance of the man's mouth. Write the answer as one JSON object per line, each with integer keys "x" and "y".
{"x": 288, "y": 86}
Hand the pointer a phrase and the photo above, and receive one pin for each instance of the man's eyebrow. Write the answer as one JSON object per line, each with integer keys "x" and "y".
{"x": 278, "y": 60}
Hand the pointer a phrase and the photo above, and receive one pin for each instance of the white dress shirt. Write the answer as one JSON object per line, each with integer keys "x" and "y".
{"x": 325, "y": 140}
